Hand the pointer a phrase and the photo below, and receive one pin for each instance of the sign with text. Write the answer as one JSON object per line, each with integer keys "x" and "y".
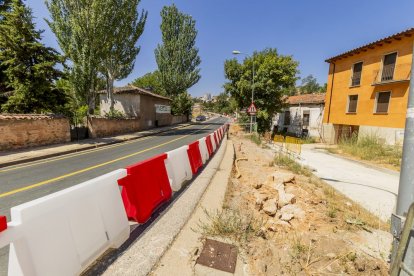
{"x": 162, "y": 108}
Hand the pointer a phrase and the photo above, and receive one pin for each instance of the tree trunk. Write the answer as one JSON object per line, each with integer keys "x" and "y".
{"x": 110, "y": 90}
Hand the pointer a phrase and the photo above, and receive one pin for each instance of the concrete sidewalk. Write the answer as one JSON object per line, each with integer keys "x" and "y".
{"x": 181, "y": 256}
{"x": 374, "y": 188}
{"x": 13, "y": 157}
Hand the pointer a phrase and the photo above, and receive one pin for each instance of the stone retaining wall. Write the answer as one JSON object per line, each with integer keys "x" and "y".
{"x": 101, "y": 127}
{"x": 28, "y": 130}
{"x": 179, "y": 119}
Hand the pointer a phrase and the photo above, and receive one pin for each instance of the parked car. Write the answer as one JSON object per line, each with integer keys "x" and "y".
{"x": 200, "y": 118}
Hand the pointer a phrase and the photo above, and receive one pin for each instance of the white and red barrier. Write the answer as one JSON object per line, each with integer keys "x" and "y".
{"x": 203, "y": 149}
{"x": 178, "y": 167}
{"x": 64, "y": 232}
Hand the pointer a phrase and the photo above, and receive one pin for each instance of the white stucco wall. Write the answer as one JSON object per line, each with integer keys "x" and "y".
{"x": 389, "y": 135}
{"x": 129, "y": 104}
{"x": 296, "y": 119}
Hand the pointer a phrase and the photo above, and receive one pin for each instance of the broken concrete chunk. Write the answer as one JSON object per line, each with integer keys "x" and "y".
{"x": 292, "y": 209}
{"x": 270, "y": 207}
{"x": 285, "y": 199}
{"x": 287, "y": 217}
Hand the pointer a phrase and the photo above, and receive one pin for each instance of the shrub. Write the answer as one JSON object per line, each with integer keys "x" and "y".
{"x": 115, "y": 114}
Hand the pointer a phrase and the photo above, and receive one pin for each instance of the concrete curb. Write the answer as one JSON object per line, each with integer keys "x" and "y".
{"x": 144, "y": 254}
{"x": 31, "y": 159}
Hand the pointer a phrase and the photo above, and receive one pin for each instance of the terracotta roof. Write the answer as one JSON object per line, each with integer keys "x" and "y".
{"x": 388, "y": 39}
{"x": 130, "y": 89}
{"x": 306, "y": 99}
{"x": 7, "y": 116}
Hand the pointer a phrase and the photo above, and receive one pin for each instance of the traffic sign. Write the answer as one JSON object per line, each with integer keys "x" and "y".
{"x": 252, "y": 109}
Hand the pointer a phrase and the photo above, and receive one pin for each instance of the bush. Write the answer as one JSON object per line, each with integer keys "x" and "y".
{"x": 115, "y": 114}
{"x": 371, "y": 147}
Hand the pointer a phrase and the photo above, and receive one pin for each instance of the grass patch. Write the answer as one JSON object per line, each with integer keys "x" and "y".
{"x": 230, "y": 224}
{"x": 308, "y": 140}
{"x": 255, "y": 138}
{"x": 370, "y": 148}
{"x": 285, "y": 161}
{"x": 344, "y": 209}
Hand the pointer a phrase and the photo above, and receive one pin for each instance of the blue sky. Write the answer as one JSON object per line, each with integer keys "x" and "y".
{"x": 310, "y": 30}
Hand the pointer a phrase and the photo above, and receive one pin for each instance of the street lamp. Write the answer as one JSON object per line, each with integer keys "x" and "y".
{"x": 236, "y": 52}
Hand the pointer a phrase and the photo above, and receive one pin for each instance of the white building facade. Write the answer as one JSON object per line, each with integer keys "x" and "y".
{"x": 302, "y": 117}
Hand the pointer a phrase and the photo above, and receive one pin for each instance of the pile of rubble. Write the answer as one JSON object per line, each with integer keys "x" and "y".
{"x": 275, "y": 198}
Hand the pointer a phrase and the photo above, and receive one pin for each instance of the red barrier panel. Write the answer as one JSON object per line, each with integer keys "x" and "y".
{"x": 194, "y": 155}
{"x": 209, "y": 145}
{"x": 3, "y": 223}
{"x": 145, "y": 187}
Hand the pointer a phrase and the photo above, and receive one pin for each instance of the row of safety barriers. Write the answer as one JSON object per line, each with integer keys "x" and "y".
{"x": 64, "y": 232}
{"x": 291, "y": 144}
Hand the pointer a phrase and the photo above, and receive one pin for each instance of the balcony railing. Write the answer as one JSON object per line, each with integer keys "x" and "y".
{"x": 392, "y": 73}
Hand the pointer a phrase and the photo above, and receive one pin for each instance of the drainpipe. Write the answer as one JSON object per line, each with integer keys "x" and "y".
{"x": 332, "y": 84}
{"x": 406, "y": 187}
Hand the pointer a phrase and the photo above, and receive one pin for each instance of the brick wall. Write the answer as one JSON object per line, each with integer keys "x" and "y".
{"x": 101, "y": 127}
{"x": 28, "y": 130}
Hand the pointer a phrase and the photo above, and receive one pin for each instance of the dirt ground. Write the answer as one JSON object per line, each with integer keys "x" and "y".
{"x": 289, "y": 223}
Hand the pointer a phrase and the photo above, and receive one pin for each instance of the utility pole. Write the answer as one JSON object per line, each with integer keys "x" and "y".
{"x": 406, "y": 186}
{"x": 236, "y": 52}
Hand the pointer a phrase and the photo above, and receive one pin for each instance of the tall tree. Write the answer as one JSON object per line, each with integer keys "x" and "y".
{"x": 310, "y": 85}
{"x": 275, "y": 75}
{"x": 151, "y": 81}
{"x": 81, "y": 28}
{"x": 29, "y": 65}
{"x": 125, "y": 29}
{"x": 177, "y": 56}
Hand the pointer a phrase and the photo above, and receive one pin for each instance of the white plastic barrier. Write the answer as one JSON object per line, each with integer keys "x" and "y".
{"x": 203, "y": 149}
{"x": 64, "y": 232}
{"x": 178, "y": 167}
{"x": 213, "y": 141}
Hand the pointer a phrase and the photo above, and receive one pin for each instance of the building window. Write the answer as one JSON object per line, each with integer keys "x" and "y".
{"x": 388, "y": 67}
{"x": 305, "y": 118}
{"x": 356, "y": 74}
{"x": 287, "y": 118}
{"x": 352, "y": 103}
{"x": 382, "y": 102}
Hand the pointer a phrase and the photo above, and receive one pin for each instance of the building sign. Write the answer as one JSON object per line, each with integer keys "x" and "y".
{"x": 162, "y": 108}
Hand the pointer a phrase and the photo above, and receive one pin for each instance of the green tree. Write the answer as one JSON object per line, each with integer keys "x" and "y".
{"x": 126, "y": 27}
{"x": 151, "y": 81}
{"x": 81, "y": 28}
{"x": 275, "y": 75}
{"x": 29, "y": 66}
{"x": 177, "y": 57}
{"x": 310, "y": 85}
{"x": 181, "y": 104}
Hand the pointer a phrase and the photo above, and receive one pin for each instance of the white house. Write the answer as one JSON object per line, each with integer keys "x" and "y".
{"x": 302, "y": 116}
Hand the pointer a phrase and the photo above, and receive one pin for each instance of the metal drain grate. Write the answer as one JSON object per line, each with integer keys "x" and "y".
{"x": 218, "y": 255}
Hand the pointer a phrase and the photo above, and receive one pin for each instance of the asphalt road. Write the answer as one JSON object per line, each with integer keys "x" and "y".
{"x": 25, "y": 182}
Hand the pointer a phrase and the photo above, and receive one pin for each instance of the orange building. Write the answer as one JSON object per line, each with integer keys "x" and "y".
{"x": 367, "y": 90}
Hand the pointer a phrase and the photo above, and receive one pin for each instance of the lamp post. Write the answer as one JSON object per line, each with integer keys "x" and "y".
{"x": 235, "y": 52}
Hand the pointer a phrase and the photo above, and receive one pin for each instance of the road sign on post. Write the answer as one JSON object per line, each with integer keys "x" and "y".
{"x": 252, "y": 110}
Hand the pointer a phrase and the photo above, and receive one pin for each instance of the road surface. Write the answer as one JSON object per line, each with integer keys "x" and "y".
{"x": 25, "y": 182}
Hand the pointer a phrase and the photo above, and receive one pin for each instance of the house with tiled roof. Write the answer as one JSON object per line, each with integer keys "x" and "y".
{"x": 302, "y": 115}
{"x": 149, "y": 108}
{"x": 367, "y": 90}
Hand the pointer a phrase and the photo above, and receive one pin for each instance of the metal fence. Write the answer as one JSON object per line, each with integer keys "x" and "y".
{"x": 291, "y": 144}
